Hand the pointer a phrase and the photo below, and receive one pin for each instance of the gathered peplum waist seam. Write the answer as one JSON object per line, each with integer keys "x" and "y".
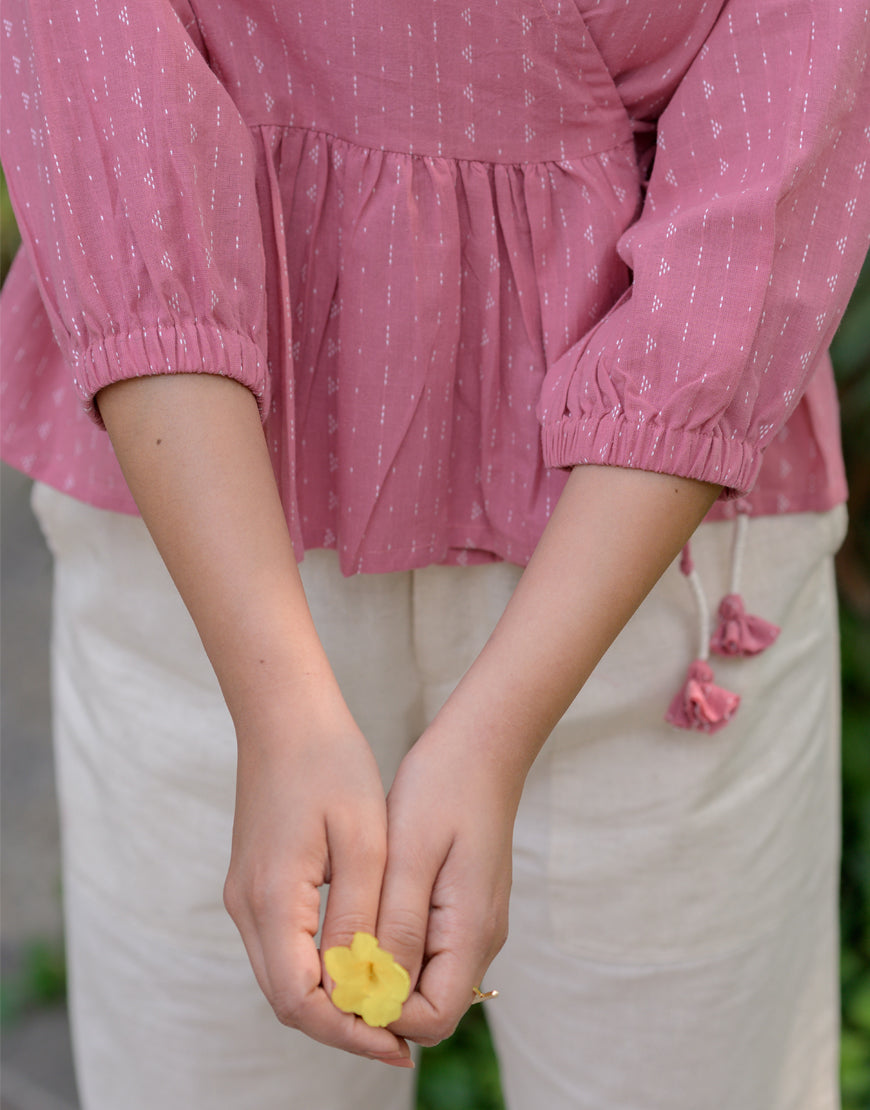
{"x": 426, "y": 157}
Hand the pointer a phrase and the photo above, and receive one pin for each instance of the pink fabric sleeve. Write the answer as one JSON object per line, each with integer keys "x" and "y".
{"x": 132, "y": 176}
{"x": 750, "y": 240}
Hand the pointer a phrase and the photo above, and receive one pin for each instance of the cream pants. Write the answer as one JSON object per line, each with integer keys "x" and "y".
{"x": 673, "y": 936}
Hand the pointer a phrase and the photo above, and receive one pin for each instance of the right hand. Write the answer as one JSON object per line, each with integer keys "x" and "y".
{"x": 310, "y": 807}
{"x": 310, "y": 810}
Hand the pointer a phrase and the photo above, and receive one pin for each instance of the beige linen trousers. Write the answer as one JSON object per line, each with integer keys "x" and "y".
{"x": 673, "y": 939}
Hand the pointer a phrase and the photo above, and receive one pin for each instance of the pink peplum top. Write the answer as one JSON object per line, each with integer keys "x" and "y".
{"x": 452, "y": 248}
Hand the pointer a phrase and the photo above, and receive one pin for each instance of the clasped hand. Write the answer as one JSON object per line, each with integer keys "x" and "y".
{"x": 426, "y": 870}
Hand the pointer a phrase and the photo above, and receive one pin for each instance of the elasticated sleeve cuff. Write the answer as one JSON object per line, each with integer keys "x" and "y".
{"x": 135, "y": 190}
{"x": 749, "y": 242}
{"x": 610, "y": 440}
{"x": 189, "y": 348}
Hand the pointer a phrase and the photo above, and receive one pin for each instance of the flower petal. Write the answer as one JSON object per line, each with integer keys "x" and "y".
{"x": 350, "y": 998}
{"x": 394, "y": 980}
{"x": 380, "y": 1011}
{"x": 340, "y": 962}
{"x": 368, "y": 981}
{"x": 365, "y": 947}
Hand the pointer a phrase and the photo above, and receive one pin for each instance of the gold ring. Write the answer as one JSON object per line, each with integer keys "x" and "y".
{"x": 482, "y": 996}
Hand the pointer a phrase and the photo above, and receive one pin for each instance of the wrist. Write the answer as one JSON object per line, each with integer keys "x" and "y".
{"x": 292, "y": 709}
{"x": 273, "y": 671}
{"x": 489, "y": 749}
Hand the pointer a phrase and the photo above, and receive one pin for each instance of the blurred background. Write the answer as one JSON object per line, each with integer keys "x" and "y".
{"x": 460, "y": 1074}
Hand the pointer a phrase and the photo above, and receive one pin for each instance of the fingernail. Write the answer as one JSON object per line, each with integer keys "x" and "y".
{"x": 398, "y": 1062}
{"x": 394, "y": 1060}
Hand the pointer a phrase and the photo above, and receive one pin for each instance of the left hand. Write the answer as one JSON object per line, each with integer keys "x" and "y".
{"x": 451, "y": 810}
{"x": 444, "y": 905}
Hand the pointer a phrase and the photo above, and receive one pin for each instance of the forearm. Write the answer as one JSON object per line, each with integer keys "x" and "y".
{"x": 612, "y": 535}
{"x": 309, "y": 802}
{"x": 194, "y": 455}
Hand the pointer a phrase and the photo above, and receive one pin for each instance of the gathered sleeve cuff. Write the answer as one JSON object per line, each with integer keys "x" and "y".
{"x": 751, "y": 237}
{"x": 133, "y": 179}
{"x": 184, "y": 348}
{"x": 612, "y": 439}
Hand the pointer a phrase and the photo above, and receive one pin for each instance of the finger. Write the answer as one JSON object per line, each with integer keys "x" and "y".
{"x": 279, "y": 940}
{"x": 293, "y": 973}
{"x": 357, "y": 856}
{"x": 464, "y": 934}
{"x": 443, "y": 994}
{"x": 403, "y": 917}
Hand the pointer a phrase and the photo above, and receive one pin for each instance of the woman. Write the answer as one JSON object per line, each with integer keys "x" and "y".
{"x": 432, "y": 295}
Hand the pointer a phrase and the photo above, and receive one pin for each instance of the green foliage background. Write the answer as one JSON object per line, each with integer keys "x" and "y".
{"x": 462, "y": 1073}
{"x": 851, "y": 352}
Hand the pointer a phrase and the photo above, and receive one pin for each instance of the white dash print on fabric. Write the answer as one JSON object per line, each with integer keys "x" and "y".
{"x": 420, "y": 236}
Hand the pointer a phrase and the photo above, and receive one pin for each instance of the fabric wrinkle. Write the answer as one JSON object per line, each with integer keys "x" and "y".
{"x": 498, "y": 172}
{"x": 280, "y": 424}
{"x": 455, "y": 250}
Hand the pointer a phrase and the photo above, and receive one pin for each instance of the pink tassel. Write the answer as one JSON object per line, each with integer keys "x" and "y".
{"x": 739, "y": 632}
{"x": 701, "y": 704}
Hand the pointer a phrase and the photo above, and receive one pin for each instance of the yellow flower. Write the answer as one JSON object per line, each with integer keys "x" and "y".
{"x": 368, "y": 981}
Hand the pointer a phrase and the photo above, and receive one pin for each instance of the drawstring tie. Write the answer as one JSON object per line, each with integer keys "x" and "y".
{"x": 738, "y": 632}
{"x": 701, "y": 704}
